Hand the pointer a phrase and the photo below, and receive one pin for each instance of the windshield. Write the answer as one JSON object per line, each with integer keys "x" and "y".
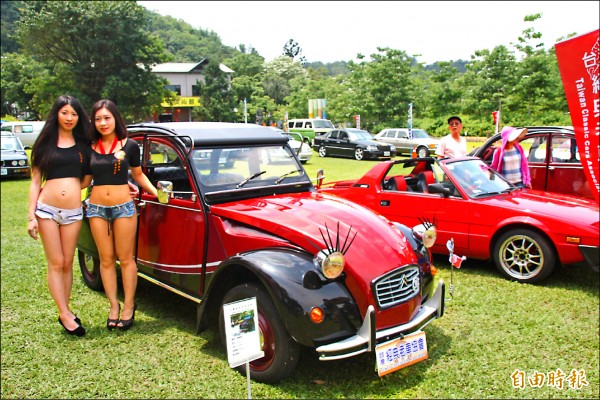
{"x": 359, "y": 135}
{"x": 10, "y": 143}
{"x": 477, "y": 179}
{"x": 221, "y": 169}
{"x": 323, "y": 123}
{"x": 419, "y": 134}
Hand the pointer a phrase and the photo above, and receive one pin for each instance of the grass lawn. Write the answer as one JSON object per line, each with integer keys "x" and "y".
{"x": 492, "y": 328}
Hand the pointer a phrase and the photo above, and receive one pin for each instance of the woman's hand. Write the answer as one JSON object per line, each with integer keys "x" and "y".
{"x": 133, "y": 190}
{"x": 32, "y": 228}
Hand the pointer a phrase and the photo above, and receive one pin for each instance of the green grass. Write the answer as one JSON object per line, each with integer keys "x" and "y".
{"x": 491, "y": 328}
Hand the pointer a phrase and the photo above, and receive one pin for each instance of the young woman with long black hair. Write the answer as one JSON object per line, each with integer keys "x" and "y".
{"x": 55, "y": 209}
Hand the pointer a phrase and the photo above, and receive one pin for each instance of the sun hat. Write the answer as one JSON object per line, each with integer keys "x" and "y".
{"x": 454, "y": 117}
{"x": 513, "y": 133}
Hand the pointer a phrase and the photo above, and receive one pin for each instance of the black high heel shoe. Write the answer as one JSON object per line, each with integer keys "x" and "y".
{"x": 79, "y": 331}
{"x": 114, "y": 322}
{"x": 128, "y": 323}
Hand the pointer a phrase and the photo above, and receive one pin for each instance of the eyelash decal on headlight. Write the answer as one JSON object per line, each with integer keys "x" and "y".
{"x": 333, "y": 248}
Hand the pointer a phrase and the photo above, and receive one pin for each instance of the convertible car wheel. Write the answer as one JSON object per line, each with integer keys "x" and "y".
{"x": 322, "y": 151}
{"x": 524, "y": 256}
{"x": 90, "y": 270}
{"x": 359, "y": 154}
{"x": 281, "y": 351}
{"x": 422, "y": 152}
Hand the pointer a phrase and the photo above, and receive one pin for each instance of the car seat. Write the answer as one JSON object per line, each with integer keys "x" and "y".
{"x": 423, "y": 179}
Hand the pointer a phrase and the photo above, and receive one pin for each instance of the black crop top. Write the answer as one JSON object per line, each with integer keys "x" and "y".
{"x": 111, "y": 169}
{"x": 68, "y": 163}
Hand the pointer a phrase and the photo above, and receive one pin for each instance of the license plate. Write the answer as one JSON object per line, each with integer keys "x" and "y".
{"x": 4, "y": 171}
{"x": 386, "y": 153}
{"x": 399, "y": 353}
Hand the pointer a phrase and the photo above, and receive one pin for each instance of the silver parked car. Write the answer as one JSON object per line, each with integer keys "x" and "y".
{"x": 422, "y": 144}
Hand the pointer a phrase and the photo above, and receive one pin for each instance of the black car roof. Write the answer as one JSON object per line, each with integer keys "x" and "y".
{"x": 214, "y": 133}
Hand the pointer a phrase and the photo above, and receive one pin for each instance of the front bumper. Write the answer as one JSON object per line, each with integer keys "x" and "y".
{"x": 368, "y": 337}
{"x": 592, "y": 256}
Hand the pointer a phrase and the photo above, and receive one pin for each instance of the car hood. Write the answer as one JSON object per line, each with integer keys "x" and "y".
{"x": 13, "y": 155}
{"x": 570, "y": 209}
{"x": 368, "y": 142}
{"x": 375, "y": 246}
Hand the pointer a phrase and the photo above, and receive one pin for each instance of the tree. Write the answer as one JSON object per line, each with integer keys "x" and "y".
{"x": 277, "y": 76}
{"x": 216, "y": 98}
{"x": 103, "y": 47}
{"x": 292, "y": 49}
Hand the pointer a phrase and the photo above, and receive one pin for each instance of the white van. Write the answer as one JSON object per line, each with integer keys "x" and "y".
{"x": 309, "y": 127}
{"x": 27, "y": 131}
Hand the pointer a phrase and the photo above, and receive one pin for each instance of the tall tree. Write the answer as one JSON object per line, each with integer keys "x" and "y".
{"x": 104, "y": 47}
{"x": 216, "y": 99}
{"x": 293, "y": 50}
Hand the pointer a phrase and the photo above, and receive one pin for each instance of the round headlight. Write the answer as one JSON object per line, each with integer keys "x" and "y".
{"x": 22, "y": 162}
{"x": 333, "y": 265}
{"x": 13, "y": 163}
{"x": 429, "y": 236}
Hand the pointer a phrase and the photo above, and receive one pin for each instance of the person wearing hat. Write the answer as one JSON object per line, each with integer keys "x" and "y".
{"x": 510, "y": 160}
{"x": 452, "y": 145}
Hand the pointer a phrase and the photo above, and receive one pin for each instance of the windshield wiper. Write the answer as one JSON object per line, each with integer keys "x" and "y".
{"x": 508, "y": 190}
{"x": 282, "y": 177}
{"x": 248, "y": 179}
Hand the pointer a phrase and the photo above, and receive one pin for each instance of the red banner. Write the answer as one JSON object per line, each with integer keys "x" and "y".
{"x": 578, "y": 61}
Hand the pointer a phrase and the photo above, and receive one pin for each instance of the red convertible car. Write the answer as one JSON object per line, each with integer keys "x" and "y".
{"x": 237, "y": 217}
{"x": 527, "y": 232}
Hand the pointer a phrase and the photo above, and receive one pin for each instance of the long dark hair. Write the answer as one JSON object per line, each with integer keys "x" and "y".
{"x": 44, "y": 148}
{"x": 120, "y": 127}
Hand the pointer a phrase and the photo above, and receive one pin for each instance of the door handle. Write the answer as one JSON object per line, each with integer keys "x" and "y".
{"x": 550, "y": 168}
{"x": 142, "y": 204}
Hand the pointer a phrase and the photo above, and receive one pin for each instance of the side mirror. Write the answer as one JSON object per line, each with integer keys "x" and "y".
{"x": 438, "y": 188}
{"x": 320, "y": 177}
{"x": 165, "y": 188}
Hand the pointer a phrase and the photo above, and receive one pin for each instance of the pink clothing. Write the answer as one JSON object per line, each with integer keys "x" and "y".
{"x": 499, "y": 157}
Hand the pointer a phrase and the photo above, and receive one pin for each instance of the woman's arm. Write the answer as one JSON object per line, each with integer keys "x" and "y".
{"x": 35, "y": 187}
{"x": 143, "y": 181}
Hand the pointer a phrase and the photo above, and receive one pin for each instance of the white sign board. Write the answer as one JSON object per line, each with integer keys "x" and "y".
{"x": 241, "y": 332}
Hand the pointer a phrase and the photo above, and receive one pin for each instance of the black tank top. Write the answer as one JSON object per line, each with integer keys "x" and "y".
{"x": 68, "y": 163}
{"x": 112, "y": 168}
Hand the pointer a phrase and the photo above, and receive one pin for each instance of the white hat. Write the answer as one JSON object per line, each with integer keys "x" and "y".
{"x": 515, "y": 133}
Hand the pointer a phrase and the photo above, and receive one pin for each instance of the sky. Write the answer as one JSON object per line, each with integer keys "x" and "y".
{"x": 329, "y": 31}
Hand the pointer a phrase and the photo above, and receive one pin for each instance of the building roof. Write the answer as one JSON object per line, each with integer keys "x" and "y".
{"x": 183, "y": 68}
{"x": 186, "y": 68}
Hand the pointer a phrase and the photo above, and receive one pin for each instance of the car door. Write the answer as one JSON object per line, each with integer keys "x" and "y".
{"x": 332, "y": 143}
{"x": 171, "y": 236}
{"x": 403, "y": 144}
{"x": 565, "y": 172}
{"x": 535, "y": 147}
{"x": 346, "y": 146}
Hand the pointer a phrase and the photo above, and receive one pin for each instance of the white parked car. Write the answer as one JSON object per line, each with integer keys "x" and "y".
{"x": 422, "y": 144}
{"x": 301, "y": 148}
{"x": 26, "y": 131}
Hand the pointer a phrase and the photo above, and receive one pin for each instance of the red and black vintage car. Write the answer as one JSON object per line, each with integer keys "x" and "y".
{"x": 237, "y": 217}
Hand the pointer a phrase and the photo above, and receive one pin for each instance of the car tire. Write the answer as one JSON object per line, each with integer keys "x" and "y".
{"x": 281, "y": 351}
{"x": 359, "y": 154}
{"x": 90, "y": 271}
{"x": 524, "y": 256}
{"x": 322, "y": 151}
{"x": 422, "y": 152}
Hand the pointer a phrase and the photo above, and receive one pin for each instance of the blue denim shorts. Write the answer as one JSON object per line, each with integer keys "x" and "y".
{"x": 110, "y": 213}
{"x": 61, "y": 216}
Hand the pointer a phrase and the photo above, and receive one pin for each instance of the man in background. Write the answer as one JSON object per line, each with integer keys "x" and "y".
{"x": 452, "y": 145}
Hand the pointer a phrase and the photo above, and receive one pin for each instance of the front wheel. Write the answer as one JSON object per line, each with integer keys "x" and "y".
{"x": 524, "y": 256}
{"x": 322, "y": 151}
{"x": 422, "y": 152}
{"x": 281, "y": 351}
{"x": 359, "y": 154}
{"x": 90, "y": 270}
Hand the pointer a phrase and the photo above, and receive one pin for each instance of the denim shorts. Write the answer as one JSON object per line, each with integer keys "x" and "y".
{"x": 62, "y": 216}
{"x": 110, "y": 213}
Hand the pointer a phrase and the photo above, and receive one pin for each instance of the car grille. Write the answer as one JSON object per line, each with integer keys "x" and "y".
{"x": 397, "y": 287}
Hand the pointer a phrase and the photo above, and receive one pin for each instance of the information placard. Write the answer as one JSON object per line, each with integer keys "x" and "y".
{"x": 241, "y": 332}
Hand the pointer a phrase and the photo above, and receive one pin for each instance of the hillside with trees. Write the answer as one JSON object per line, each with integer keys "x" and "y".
{"x": 109, "y": 52}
